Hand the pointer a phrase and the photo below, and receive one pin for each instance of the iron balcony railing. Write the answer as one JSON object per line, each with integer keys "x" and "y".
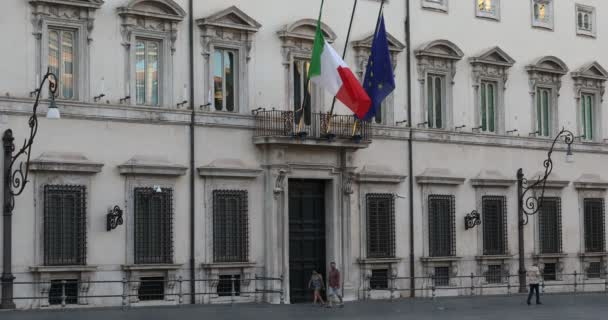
{"x": 277, "y": 123}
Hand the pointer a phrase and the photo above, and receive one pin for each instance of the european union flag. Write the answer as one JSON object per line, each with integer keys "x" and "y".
{"x": 379, "y": 80}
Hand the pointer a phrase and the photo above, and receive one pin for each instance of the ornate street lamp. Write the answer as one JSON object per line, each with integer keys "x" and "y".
{"x": 530, "y": 204}
{"x": 16, "y": 178}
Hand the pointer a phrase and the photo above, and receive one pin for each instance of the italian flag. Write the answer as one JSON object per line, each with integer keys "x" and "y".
{"x": 328, "y": 70}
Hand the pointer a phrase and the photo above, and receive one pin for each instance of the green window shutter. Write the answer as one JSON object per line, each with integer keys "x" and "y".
{"x": 491, "y": 100}
{"x": 483, "y": 107}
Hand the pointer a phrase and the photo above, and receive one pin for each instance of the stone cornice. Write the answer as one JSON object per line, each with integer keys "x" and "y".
{"x": 94, "y": 4}
{"x": 149, "y": 166}
{"x": 378, "y": 175}
{"x": 55, "y": 269}
{"x": 590, "y": 182}
{"x": 229, "y": 168}
{"x": 64, "y": 162}
{"x": 439, "y": 177}
{"x": 491, "y": 178}
{"x": 151, "y": 267}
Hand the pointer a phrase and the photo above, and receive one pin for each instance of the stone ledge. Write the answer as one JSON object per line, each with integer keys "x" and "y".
{"x": 378, "y": 174}
{"x": 228, "y": 265}
{"x": 499, "y": 257}
{"x": 62, "y": 269}
{"x": 492, "y": 178}
{"x": 440, "y": 259}
{"x": 592, "y": 254}
{"x": 590, "y": 182}
{"x": 151, "y": 267}
{"x": 549, "y": 255}
{"x": 364, "y": 261}
{"x": 337, "y": 143}
{"x": 64, "y": 162}
{"x": 439, "y": 176}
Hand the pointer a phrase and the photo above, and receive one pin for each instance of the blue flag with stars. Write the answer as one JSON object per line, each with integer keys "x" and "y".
{"x": 379, "y": 80}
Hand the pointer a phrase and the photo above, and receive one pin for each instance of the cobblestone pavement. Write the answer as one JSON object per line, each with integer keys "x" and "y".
{"x": 571, "y": 307}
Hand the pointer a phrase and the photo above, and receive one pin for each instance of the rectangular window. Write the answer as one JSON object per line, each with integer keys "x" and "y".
{"x": 59, "y": 289}
{"x": 550, "y": 272}
{"x": 542, "y": 13}
{"x": 64, "y": 225}
{"x": 229, "y": 285}
{"x": 442, "y": 241}
{"x": 435, "y": 101}
{"x": 151, "y": 288}
{"x": 379, "y": 279}
{"x": 380, "y": 226}
{"x": 585, "y": 20}
{"x": 225, "y": 79}
{"x": 550, "y": 226}
{"x": 595, "y": 232}
{"x": 230, "y": 226}
{"x": 153, "y": 226}
{"x": 494, "y": 274}
{"x": 488, "y": 106}
{"x": 147, "y": 69}
{"x": 587, "y": 116}
{"x": 595, "y": 270}
{"x": 488, "y": 9}
{"x": 494, "y": 225}
{"x": 62, "y": 60}
{"x": 442, "y": 276}
{"x": 302, "y": 91}
{"x": 543, "y": 112}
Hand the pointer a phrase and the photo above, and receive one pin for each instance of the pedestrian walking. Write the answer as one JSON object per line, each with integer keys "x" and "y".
{"x": 534, "y": 279}
{"x": 334, "y": 285}
{"x": 316, "y": 283}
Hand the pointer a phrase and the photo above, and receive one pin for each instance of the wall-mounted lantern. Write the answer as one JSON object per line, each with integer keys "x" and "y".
{"x": 472, "y": 220}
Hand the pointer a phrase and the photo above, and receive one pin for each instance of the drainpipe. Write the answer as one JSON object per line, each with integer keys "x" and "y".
{"x": 410, "y": 147}
{"x": 192, "y": 169}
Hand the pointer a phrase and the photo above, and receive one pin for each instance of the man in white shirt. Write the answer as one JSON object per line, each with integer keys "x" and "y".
{"x": 534, "y": 278}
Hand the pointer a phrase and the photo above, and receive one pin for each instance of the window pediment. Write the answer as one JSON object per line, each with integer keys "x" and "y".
{"x": 394, "y": 45}
{"x": 305, "y": 30}
{"x": 95, "y": 4}
{"x": 159, "y": 9}
{"x": 230, "y": 18}
{"x": 591, "y": 71}
{"x": 494, "y": 56}
{"x": 548, "y": 64}
{"x": 440, "y": 49}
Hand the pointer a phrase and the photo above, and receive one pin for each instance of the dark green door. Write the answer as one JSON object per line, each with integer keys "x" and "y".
{"x": 306, "y": 236}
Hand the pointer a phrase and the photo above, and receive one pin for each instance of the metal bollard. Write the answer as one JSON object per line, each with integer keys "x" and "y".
{"x": 282, "y": 293}
{"x": 472, "y": 284}
{"x": 433, "y": 287}
{"x": 575, "y": 283}
{"x": 63, "y": 297}
{"x": 508, "y": 285}
{"x": 124, "y": 293}
{"x": 392, "y": 287}
{"x": 180, "y": 295}
{"x": 232, "y": 279}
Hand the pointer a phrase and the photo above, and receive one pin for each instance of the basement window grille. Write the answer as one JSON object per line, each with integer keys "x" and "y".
{"x": 151, "y": 288}
{"x": 228, "y": 284}
{"x": 595, "y": 270}
{"x": 59, "y": 288}
{"x": 550, "y": 272}
{"x": 442, "y": 276}
{"x": 64, "y": 225}
{"x": 379, "y": 279}
{"x": 494, "y": 274}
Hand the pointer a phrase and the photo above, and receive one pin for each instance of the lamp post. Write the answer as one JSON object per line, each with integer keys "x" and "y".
{"x": 15, "y": 178}
{"x": 529, "y": 205}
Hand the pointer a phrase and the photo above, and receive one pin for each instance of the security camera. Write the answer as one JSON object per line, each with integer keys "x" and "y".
{"x": 158, "y": 189}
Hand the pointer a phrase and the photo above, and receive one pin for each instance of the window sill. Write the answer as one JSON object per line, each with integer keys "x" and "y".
{"x": 59, "y": 269}
{"x": 364, "y": 261}
{"x": 145, "y": 267}
{"x": 440, "y": 259}
{"x": 496, "y": 257}
{"x": 592, "y": 254}
{"x": 228, "y": 265}
{"x": 550, "y": 255}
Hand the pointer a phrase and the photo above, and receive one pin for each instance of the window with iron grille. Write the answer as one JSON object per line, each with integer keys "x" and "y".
{"x": 550, "y": 225}
{"x": 153, "y": 226}
{"x": 494, "y": 274}
{"x": 230, "y": 226}
{"x": 59, "y": 288}
{"x": 442, "y": 233}
{"x": 595, "y": 270}
{"x": 442, "y": 276}
{"x": 550, "y": 272}
{"x": 380, "y": 226}
{"x": 595, "y": 230}
{"x": 64, "y": 225}
{"x": 379, "y": 279}
{"x": 151, "y": 288}
{"x": 494, "y": 225}
{"x": 229, "y": 283}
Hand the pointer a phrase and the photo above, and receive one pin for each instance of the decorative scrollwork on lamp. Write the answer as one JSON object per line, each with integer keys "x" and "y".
{"x": 472, "y": 220}
{"x": 531, "y": 203}
{"x": 114, "y": 218}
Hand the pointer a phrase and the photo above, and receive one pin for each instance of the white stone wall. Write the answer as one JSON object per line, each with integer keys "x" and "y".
{"x": 111, "y": 134}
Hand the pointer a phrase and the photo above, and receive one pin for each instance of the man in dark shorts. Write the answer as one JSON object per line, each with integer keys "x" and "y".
{"x": 334, "y": 284}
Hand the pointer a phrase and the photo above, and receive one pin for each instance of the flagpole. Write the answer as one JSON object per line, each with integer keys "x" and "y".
{"x": 350, "y": 26}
